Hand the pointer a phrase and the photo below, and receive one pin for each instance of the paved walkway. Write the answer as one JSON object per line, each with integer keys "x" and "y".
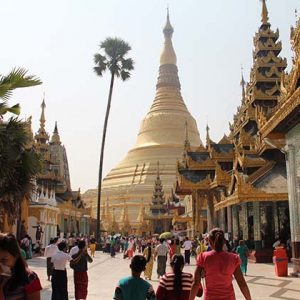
{"x": 104, "y": 273}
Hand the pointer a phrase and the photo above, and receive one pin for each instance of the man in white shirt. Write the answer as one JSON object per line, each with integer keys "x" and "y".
{"x": 50, "y": 250}
{"x": 161, "y": 252}
{"x": 74, "y": 249}
{"x": 187, "y": 245}
{"x": 59, "y": 275}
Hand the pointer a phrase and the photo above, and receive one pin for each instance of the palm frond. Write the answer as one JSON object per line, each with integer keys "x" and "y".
{"x": 124, "y": 75}
{"x": 17, "y": 78}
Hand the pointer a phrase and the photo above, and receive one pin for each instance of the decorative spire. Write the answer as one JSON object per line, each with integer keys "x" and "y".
{"x": 158, "y": 174}
{"x": 207, "y": 135}
{"x": 42, "y": 118}
{"x": 55, "y": 137}
{"x": 264, "y": 13}
{"x": 243, "y": 83}
{"x": 168, "y": 56}
{"x": 187, "y": 143}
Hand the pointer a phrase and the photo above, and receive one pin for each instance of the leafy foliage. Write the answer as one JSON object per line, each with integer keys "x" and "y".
{"x": 114, "y": 59}
{"x": 19, "y": 163}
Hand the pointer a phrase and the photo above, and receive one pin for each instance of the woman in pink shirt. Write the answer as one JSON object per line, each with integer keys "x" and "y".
{"x": 219, "y": 266}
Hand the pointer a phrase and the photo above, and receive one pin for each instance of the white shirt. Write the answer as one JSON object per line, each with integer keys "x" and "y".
{"x": 60, "y": 259}
{"x": 187, "y": 245}
{"x": 50, "y": 250}
{"x": 74, "y": 250}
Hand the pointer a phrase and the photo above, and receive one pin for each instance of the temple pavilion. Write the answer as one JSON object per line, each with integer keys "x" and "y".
{"x": 242, "y": 179}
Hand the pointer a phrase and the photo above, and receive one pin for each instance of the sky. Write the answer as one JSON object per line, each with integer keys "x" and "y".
{"x": 56, "y": 41}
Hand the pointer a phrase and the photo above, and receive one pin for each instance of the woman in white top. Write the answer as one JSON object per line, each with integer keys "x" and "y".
{"x": 59, "y": 276}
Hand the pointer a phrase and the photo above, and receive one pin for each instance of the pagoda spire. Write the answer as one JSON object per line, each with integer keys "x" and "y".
{"x": 264, "y": 13}
{"x": 42, "y": 136}
{"x": 187, "y": 143}
{"x": 55, "y": 137}
{"x": 243, "y": 83}
{"x": 168, "y": 56}
{"x": 207, "y": 135}
{"x": 42, "y": 118}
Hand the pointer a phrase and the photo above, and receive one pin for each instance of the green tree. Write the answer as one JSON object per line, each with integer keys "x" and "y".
{"x": 19, "y": 163}
{"x": 114, "y": 60}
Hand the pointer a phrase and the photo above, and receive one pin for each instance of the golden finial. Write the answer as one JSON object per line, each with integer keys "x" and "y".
{"x": 42, "y": 118}
{"x": 168, "y": 29}
{"x": 168, "y": 56}
{"x": 207, "y": 135}
{"x": 187, "y": 143}
{"x": 264, "y": 13}
{"x": 243, "y": 83}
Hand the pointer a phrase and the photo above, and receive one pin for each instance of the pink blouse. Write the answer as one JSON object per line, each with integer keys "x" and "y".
{"x": 219, "y": 268}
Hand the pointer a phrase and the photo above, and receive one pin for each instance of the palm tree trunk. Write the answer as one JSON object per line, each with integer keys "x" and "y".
{"x": 102, "y": 156}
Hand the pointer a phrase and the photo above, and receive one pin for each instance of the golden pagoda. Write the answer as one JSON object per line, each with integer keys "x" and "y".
{"x": 161, "y": 137}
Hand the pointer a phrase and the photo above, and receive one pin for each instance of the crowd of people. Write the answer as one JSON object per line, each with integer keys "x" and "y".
{"x": 216, "y": 266}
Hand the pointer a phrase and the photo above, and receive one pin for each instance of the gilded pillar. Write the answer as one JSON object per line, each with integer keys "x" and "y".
{"x": 244, "y": 220}
{"x": 210, "y": 212}
{"x": 235, "y": 222}
{"x": 256, "y": 225}
{"x": 293, "y": 168}
{"x": 229, "y": 219}
{"x": 222, "y": 219}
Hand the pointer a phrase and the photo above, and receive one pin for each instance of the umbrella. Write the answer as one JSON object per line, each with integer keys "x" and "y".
{"x": 166, "y": 235}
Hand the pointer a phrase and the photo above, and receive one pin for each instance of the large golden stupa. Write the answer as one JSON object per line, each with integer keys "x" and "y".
{"x": 128, "y": 187}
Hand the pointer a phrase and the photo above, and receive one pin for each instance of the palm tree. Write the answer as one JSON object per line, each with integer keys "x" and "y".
{"x": 114, "y": 60}
{"x": 19, "y": 163}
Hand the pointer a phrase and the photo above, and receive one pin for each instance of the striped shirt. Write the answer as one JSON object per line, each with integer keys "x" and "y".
{"x": 166, "y": 287}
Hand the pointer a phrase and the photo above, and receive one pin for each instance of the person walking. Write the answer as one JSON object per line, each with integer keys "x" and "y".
{"x": 148, "y": 253}
{"x": 59, "y": 278}
{"x": 79, "y": 264}
{"x": 161, "y": 252}
{"x": 243, "y": 252}
{"x": 50, "y": 250}
{"x": 92, "y": 246}
{"x": 112, "y": 247}
{"x": 172, "y": 249}
{"x": 17, "y": 280}
{"x": 178, "y": 247}
{"x": 175, "y": 285}
{"x": 219, "y": 266}
{"x": 187, "y": 245}
{"x": 134, "y": 287}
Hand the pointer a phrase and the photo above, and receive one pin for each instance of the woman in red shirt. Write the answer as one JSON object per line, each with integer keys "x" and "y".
{"x": 177, "y": 284}
{"x": 219, "y": 266}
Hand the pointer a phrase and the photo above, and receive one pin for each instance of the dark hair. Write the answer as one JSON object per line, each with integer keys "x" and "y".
{"x": 55, "y": 240}
{"x": 177, "y": 263}
{"x": 161, "y": 240}
{"x": 241, "y": 242}
{"x": 138, "y": 263}
{"x": 216, "y": 236}
{"x": 62, "y": 246}
{"x": 149, "y": 252}
{"x": 51, "y": 241}
{"x": 20, "y": 271}
{"x": 177, "y": 242}
{"x": 81, "y": 244}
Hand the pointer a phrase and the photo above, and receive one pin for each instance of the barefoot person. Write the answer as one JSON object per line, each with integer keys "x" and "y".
{"x": 79, "y": 264}
{"x": 134, "y": 287}
{"x": 59, "y": 278}
{"x": 148, "y": 253}
{"x": 219, "y": 266}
